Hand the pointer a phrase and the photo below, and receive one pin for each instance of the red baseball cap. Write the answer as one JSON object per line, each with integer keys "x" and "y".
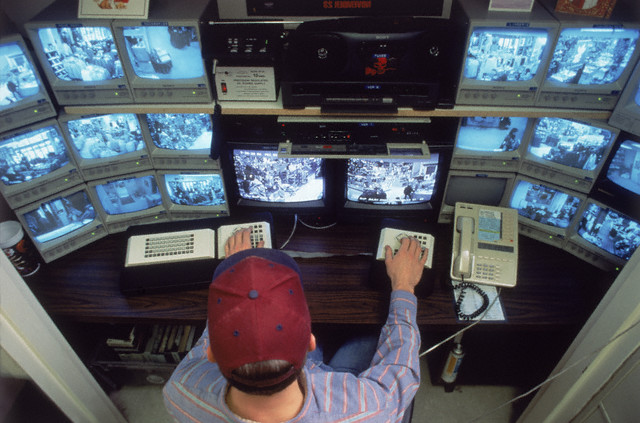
{"x": 257, "y": 311}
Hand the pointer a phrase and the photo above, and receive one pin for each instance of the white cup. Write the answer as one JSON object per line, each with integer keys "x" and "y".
{"x": 18, "y": 248}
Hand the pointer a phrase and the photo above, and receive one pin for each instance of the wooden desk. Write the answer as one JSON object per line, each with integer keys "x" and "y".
{"x": 554, "y": 288}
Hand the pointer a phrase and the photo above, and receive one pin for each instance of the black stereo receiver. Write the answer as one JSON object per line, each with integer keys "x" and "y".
{"x": 373, "y": 64}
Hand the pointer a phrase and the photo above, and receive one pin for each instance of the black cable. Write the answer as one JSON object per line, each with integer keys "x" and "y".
{"x": 458, "y": 308}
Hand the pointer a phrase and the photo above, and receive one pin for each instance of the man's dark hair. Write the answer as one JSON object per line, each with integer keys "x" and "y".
{"x": 263, "y": 370}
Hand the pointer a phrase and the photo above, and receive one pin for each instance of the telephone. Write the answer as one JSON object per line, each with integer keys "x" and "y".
{"x": 485, "y": 245}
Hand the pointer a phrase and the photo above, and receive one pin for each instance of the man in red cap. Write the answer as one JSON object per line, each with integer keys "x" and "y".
{"x": 253, "y": 363}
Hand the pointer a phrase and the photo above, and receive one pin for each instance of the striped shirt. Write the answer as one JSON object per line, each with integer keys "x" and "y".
{"x": 196, "y": 390}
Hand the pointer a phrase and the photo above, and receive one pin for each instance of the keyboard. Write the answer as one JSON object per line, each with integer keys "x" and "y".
{"x": 393, "y": 237}
{"x": 260, "y": 231}
{"x": 170, "y": 247}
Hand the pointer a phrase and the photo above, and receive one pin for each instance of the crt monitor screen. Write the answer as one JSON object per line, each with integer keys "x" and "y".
{"x": 129, "y": 195}
{"x": 391, "y": 181}
{"x": 592, "y": 56}
{"x": 570, "y": 143}
{"x": 609, "y": 230}
{"x": 624, "y": 169}
{"x": 60, "y": 216}
{"x": 196, "y": 189}
{"x": 476, "y": 189}
{"x": 503, "y": 54}
{"x": 30, "y": 155}
{"x": 164, "y": 52}
{"x": 105, "y": 136}
{"x": 544, "y": 204}
{"x": 491, "y": 134}
{"x": 180, "y": 131}
{"x": 81, "y": 53}
{"x": 262, "y": 176}
{"x": 18, "y": 80}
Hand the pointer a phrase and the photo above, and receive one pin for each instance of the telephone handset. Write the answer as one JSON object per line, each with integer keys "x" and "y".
{"x": 465, "y": 225}
{"x": 485, "y": 245}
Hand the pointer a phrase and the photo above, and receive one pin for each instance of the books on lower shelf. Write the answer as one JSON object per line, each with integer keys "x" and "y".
{"x": 155, "y": 344}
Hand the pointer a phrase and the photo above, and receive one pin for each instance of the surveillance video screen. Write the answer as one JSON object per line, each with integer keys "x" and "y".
{"x": 592, "y": 56}
{"x": 391, "y": 181}
{"x": 129, "y": 195}
{"x": 60, "y": 216}
{"x": 610, "y": 231}
{"x": 81, "y": 53}
{"x": 17, "y": 79}
{"x": 544, "y": 204}
{"x": 30, "y": 155}
{"x": 262, "y": 176}
{"x": 500, "y": 54}
{"x": 181, "y": 131}
{"x": 164, "y": 52}
{"x": 624, "y": 169}
{"x": 106, "y": 136}
{"x": 491, "y": 134}
{"x": 195, "y": 189}
{"x": 570, "y": 143}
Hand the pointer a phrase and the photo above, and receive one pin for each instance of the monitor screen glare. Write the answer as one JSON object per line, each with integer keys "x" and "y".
{"x": 164, "y": 52}
{"x": 81, "y": 53}
{"x": 592, "y": 56}
{"x": 500, "y": 54}
{"x": 60, "y": 216}
{"x": 129, "y": 195}
{"x": 625, "y": 166}
{"x": 262, "y": 176}
{"x": 17, "y": 78}
{"x": 195, "y": 189}
{"x": 491, "y": 134}
{"x": 391, "y": 181}
{"x": 30, "y": 155}
{"x": 106, "y": 135}
{"x": 610, "y": 231}
{"x": 544, "y": 204}
{"x": 570, "y": 143}
{"x": 180, "y": 131}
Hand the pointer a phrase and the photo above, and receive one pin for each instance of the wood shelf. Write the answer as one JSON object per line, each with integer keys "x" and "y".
{"x": 274, "y": 108}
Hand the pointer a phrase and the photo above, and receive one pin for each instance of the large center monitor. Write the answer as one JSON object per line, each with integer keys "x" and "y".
{"x": 568, "y": 152}
{"x": 127, "y": 200}
{"x": 106, "y": 145}
{"x": 23, "y": 96}
{"x": 603, "y": 236}
{"x": 626, "y": 114}
{"x": 162, "y": 56}
{"x": 62, "y": 223}
{"x": 181, "y": 140}
{"x": 259, "y": 180}
{"x": 507, "y": 54}
{"x": 545, "y": 211}
{"x": 79, "y": 57}
{"x": 393, "y": 188}
{"x": 490, "y": 143}
{"x": 592, "y": 59}
{"x": 35, "y": 162}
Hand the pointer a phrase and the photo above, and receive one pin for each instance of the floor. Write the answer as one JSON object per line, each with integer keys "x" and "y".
{"x": 465, "y": 404}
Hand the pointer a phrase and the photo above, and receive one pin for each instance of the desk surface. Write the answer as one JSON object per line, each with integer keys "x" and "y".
{"x": 554, "y": 288}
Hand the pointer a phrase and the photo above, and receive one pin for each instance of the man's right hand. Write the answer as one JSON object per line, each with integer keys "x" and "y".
{"x": 406, "y": 266}
{"x": 239, "y": 241}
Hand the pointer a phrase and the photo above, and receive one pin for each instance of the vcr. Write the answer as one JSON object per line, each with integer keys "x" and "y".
{"x": 373, "y": 64}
